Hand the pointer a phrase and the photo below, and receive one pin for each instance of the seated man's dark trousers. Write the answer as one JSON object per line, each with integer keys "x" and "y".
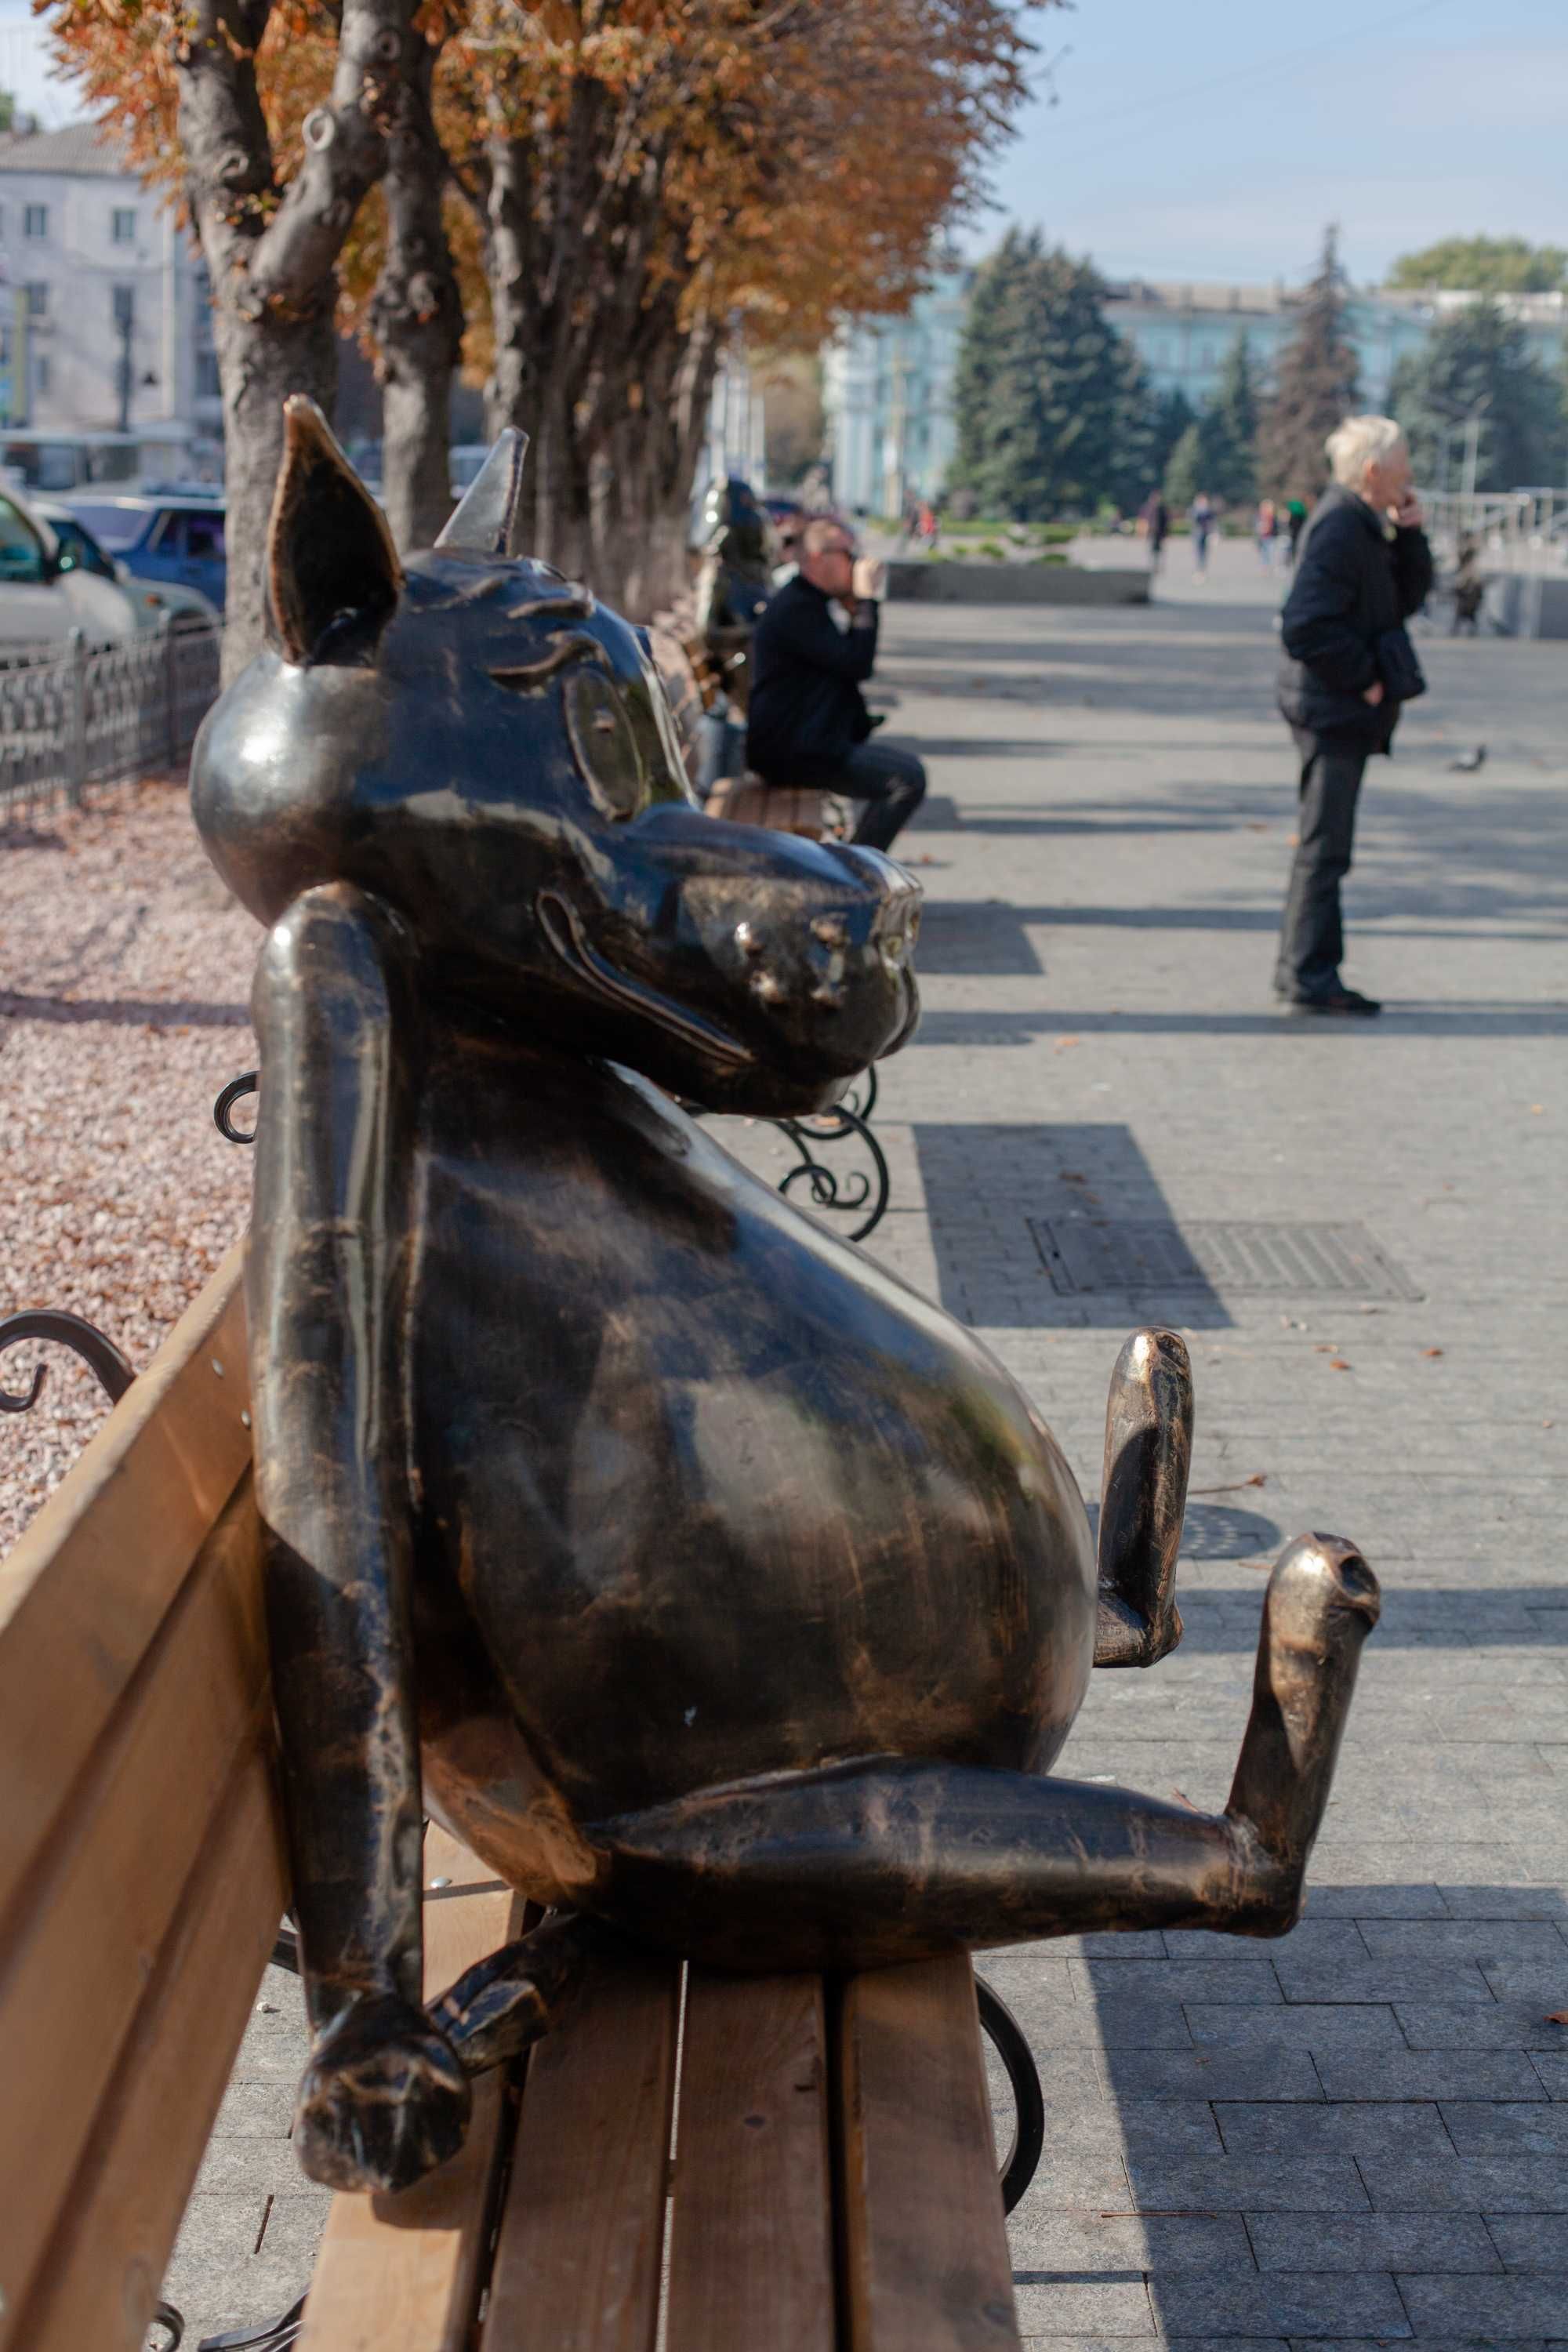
{"x": 891, "y": 783}
{"x": 1312, "y": 937}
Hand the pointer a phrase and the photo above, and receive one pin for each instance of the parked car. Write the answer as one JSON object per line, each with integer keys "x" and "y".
{"x": 44, "y": 595}
{"x": 155, "y": 602}
{"x": 176, "y": 541}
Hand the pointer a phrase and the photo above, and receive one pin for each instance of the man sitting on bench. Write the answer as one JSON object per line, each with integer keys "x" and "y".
{"x": 808, "y": 723}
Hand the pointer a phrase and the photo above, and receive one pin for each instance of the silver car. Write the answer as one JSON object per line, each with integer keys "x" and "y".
{"x": 46, "y": 593}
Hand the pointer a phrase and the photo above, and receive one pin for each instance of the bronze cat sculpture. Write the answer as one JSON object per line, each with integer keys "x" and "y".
{"x": 722, "y": 1592}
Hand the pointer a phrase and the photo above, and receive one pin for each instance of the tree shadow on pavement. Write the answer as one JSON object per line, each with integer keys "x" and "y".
{"x": 987, "y": 1188}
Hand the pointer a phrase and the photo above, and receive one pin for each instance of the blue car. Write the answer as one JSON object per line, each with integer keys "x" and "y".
{"x": 177, "y": 539}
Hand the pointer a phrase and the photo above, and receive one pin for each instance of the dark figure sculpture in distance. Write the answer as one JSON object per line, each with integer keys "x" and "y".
{"x": 722, "y": 1592}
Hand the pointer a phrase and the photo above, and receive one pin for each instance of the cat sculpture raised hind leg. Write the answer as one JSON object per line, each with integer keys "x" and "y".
{"x": 722, "y": 1593}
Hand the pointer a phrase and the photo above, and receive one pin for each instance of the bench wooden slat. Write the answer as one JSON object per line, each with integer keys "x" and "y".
{"x": 927, "y": 2265}
{"x": 751, "y": 2259}
{"x": 93, "y": 1913}
{"x": 404, "y": 2274}
{"x": 577, "y": 2261}
{"x": 102, "y": 2273}
{"x": 85, "y": 1591}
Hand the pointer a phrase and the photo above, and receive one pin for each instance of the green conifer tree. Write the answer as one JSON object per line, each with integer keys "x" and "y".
{"x": 1229, "y": 430}
{"x": 981, "y": 350}
{"x": 1317, "y": 385}
{"x": 1184, "y": 467}
{"x": 1137, "y": 460}
{"x": 1041, "y": 385}
{"x": 1175, "y": 413}
{"x": 1478, "y": 364}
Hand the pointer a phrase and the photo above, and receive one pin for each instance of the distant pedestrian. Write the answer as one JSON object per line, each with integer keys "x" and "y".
{"x": 1264, "y": 530}
{"x": 1468, "y": 590}
{"x": 1202, "y": 519}
{"x": 1154, "y": 519}
{"x": 1295, "y": 524}
{"x": 1365, "y": 567}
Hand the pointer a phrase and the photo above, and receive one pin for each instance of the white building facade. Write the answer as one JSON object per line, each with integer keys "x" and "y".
{"x": 1181, "y": 333}
{"x": 887, "y": 383}
{"x": 887, "y": 399}
{"x": 105, "y": 318}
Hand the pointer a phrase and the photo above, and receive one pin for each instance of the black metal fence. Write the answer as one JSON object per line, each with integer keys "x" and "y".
{"x": 77, "y": 715}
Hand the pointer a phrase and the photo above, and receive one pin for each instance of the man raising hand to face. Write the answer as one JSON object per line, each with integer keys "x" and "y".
{"x": 808, "y": 723}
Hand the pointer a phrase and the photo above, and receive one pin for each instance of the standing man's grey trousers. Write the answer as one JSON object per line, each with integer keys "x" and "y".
{"x": 1312, "y": 939}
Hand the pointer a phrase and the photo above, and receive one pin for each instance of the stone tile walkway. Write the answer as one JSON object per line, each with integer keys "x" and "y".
{"x": 1360, "y": 2134}
{"x": 1351, "y": 2134}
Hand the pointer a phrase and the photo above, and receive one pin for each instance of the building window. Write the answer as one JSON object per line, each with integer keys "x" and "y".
{"x": 36, "y": 220}
{"x": 41, "y": 371}
{"x": 125, "y": 231}
{"x": 123, "y": 298}
{"x": 37, "y": 301}
{"x": 207, "y": 384}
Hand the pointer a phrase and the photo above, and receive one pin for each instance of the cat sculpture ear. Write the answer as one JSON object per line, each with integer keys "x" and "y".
{"x": 487, "y": 519}
{"x": 332, "y": 573}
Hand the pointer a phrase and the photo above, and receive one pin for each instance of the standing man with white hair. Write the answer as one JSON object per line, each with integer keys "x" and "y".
{"x": 1365, "y": 568}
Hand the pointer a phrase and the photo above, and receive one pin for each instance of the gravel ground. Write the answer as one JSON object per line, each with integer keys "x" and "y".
{"x": 124, "y": 974}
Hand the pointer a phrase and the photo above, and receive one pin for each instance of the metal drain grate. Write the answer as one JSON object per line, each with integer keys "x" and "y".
{"x": 1093, "y": 1254}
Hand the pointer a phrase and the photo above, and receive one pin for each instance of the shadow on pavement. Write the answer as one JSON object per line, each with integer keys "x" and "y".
{"x": 985, "y": 1186}
{"x": 1459, "y": 1017}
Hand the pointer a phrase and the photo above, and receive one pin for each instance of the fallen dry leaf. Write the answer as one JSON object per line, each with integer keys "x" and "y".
{"x": 1557, "y": 2017}
{"x": 1338, "y": 1364}
{"x": 1062, "y": 1044}
{"x": 1258, "y": 1478}
{"x": 1431, "y": 1352}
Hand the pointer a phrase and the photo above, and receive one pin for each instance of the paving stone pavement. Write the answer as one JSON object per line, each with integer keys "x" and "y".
{"x": 1359, "y": 2133}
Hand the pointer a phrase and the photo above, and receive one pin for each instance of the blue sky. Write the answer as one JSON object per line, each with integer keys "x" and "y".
{"x": 1214, "y": 138}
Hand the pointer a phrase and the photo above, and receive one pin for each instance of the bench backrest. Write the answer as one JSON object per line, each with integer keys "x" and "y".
{"x": 142, "y": 1878}
{"x": 834, "y": 2187}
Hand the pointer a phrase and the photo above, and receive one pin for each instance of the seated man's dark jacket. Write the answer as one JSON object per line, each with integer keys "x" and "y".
{"x": 806, "y": 713}
{"x": 1353, "y": 583}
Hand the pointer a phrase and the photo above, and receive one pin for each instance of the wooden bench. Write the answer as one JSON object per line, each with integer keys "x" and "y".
{"x": 791, "y": 2164}
{"x": 784, "y": 808}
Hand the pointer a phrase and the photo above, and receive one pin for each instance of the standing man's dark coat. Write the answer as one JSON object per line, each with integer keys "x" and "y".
{"x": 1354, "y": 584}
{"x": 1358, "y": 581}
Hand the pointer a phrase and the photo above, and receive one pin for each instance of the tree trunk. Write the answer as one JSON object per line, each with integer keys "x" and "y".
{"x": 260, "y": 362}
{"x": 417, "y": 318}
{"x": 272, "y": 258}
{"x": 504, "y": 228}
{"x": 642, "y": 516}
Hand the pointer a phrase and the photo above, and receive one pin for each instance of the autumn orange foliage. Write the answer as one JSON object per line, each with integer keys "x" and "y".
{"x": 640, "y": 178}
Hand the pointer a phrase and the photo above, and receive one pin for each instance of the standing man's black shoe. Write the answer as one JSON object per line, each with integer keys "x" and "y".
{"x": 1337, "y": 1000}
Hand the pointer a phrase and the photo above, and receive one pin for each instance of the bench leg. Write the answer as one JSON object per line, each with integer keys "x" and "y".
{"x": 500, "y": 2005}
{"x": 871, "y": 1863}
